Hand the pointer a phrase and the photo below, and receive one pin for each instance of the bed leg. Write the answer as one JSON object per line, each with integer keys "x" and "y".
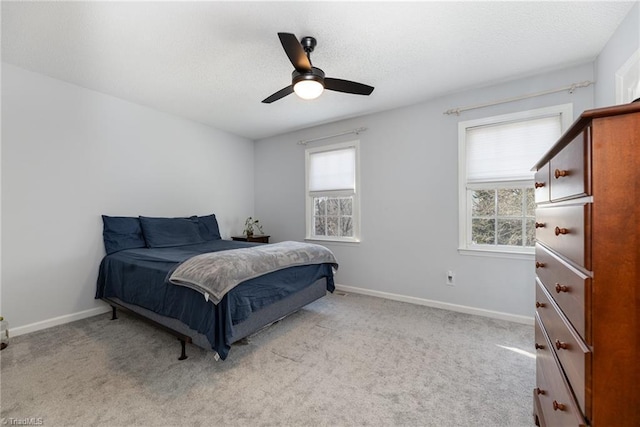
{"x": 184, "y": 351}
{"x": 113, "y": 313}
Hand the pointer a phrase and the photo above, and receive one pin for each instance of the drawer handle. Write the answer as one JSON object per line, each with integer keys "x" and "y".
{"x": 539, "y": 264}
{"x": 539, "y": 347}
{"x": 539, "y": 390}
{"x": 538, "y": 184}
{"x": 560, "y": 231}
{"x": 560, "y": 173}
{"x": 561, "y": 345}
{"x": 558, "y": 406}
{"x": 561, "y": 288}
{"x": 539, "y": 304}
{"x": 539, "y": 224}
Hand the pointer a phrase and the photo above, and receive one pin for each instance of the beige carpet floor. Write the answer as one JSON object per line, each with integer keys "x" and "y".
{"x": 344, "y": 360}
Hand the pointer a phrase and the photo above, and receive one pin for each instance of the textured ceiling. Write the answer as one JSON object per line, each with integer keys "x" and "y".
{"x": 213, "y": 62}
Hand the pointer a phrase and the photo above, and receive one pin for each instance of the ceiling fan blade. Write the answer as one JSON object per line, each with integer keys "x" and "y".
{"x": 347, "y": 86}
{"x": 294, "y": 51}
{"x": 279, "y": 94}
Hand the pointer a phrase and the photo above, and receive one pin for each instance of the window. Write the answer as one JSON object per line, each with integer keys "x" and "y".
{"x": 503, "y": 216}
{"x": 332, "y": 208}
{"x": 497, "y": 208}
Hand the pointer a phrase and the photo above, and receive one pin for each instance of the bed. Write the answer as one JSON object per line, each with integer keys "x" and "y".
{"x": 145, "y": 254}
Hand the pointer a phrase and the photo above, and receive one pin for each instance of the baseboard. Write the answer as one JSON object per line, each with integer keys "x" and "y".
{"x": 438, "y": 304}
{"x": 67, "y": 318}
{"x": 33, "y": 327}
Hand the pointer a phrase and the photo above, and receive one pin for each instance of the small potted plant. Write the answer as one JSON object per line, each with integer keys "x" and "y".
{"x": 250, "y": 225}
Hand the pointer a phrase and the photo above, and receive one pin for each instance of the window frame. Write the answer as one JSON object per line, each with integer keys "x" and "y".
{"x": 465, "y": 245}
{"x": 355, "y": 194}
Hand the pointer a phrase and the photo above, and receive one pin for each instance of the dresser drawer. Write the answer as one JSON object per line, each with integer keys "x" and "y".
{"x": 570, "y": 289}
{"x": 572, "y": 353}
{"x": 541, "y": 184}
{"x": 567, "y": 230}
{"x": 569, "y": 169}
{"x": 552, "y": 392}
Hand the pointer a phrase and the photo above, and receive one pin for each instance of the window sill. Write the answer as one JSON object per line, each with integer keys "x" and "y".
{"x": 498, "y": 253}
{"x": 332, "y": 241}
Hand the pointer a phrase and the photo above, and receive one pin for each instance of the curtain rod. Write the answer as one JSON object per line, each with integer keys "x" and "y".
{"x": 571, "y": 88}
{"x": 346, "y": 132}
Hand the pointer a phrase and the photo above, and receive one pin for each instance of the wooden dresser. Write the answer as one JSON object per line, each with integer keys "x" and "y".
{"x": 587, "y": 323}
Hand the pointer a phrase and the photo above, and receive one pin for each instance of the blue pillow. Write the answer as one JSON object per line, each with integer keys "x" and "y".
{"x": 166, "y": 232}
{"x": 209, "y": 227}
{"x": 121, "y": 232}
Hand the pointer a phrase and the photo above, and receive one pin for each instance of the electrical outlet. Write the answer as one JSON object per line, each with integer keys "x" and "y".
{"x": 449, "y": 278}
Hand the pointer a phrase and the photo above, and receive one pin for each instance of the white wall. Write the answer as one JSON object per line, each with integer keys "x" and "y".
{"x": 69, "y": 155}
{"x": 410, "y": 199}
{"x": 624, "y": 43}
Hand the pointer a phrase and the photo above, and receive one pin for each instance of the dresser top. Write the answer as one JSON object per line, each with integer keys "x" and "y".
{"x": 583, "y": 121}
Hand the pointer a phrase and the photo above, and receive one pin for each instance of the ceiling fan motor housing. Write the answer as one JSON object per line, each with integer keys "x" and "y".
{"x": 315, "y": 74}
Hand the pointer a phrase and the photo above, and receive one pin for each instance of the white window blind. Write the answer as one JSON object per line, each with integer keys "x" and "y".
{"x": 507, "y": 151}
{"x": 332, "y": 170}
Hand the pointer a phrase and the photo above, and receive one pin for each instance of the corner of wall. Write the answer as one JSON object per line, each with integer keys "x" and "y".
{"x": 624, "y": 42}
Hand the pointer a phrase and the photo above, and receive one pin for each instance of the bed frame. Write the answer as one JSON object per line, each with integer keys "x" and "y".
{"x": 254, "y": 323}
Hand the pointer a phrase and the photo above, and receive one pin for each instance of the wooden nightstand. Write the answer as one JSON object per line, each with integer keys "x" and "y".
{"x": 257, "y": 238}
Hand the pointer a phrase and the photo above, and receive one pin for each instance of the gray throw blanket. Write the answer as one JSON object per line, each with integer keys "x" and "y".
{"x": 216, "y": 273}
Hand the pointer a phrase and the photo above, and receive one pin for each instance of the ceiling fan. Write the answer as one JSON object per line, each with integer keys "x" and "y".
{"x": 307, "y": 81}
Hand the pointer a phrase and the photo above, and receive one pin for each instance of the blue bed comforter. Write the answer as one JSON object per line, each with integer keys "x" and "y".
{"x": 140, "y": 277}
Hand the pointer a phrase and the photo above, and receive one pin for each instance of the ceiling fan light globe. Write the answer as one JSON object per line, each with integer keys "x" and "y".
{"x": 308, "y": 89}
